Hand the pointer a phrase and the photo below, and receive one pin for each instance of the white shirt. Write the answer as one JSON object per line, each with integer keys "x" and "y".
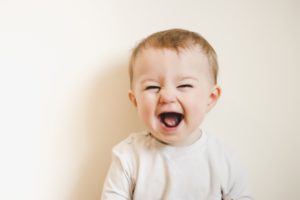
{"x": 143, "y": 168}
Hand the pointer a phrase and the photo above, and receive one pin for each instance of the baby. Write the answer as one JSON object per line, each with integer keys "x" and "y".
{"x": 173, "y": 85}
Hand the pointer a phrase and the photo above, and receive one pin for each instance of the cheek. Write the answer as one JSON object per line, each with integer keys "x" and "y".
{"x": 146, "y": 105}
{"x": 197, "y": 108}
{"x": 197, "y": 103}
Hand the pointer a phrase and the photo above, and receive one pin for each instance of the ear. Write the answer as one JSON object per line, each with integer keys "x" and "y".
{"x": 132, "y": 97}
{"x": 213, "y": 98}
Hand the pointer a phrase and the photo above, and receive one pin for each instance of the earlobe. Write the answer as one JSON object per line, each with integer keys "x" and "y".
{"x": 132, "y": 98}
{"x": 214, "y": 96}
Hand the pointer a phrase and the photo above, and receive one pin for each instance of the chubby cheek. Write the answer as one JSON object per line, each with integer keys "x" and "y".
{"x": 196, "y": 108}
{"x": 146, "y": 109}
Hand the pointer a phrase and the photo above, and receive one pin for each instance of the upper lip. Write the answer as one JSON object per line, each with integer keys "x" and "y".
{"x": 164, "y": 112}
{"x": 169, "y": 111}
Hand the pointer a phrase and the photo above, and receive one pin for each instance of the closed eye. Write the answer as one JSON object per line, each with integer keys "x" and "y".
{"x": 185, "y": 86}
{"x": 152, "y": 87}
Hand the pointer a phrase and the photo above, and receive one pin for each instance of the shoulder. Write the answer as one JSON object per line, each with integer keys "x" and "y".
{"x": 129, "y": 152}
{"x": 134, "y": 142}
{"x": 217, "y": 147}
{"x": 221, "y": 155}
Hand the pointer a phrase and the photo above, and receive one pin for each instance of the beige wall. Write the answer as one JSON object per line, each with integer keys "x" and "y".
{"x": 63, "y": 84}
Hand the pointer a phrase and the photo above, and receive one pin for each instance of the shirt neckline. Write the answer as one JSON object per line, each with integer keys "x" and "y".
{"x": 170, "y": 149}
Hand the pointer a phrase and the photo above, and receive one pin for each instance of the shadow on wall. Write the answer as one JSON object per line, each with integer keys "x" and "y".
{"x": 110, "y": 118}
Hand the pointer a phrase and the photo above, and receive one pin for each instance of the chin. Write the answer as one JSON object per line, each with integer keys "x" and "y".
{"x": 171, "y": 140}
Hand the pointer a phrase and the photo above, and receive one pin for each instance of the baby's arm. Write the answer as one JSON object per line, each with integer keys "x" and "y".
{"x": 118, "y": 184}
{"x": 238, "y": 189}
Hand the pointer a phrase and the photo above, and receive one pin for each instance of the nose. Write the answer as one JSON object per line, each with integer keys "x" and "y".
{"x": 167, "y": 95}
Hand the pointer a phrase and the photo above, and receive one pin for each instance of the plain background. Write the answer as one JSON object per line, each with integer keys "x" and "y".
{"x": 63, "y": 84}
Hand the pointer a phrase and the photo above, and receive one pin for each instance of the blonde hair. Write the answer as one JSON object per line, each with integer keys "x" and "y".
{"x": 176, "y": 39}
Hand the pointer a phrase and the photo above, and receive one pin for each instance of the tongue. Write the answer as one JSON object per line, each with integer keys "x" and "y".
{"x": 170, "y": 121}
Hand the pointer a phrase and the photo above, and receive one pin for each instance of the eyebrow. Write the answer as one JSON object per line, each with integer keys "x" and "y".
{"x": 187, "y": 77}
{"x": 179, "y": 78}
{"x": 148, "y": 80}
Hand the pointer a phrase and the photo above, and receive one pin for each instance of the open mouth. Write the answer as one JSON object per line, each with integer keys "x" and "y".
{"x": 171, "y": 119}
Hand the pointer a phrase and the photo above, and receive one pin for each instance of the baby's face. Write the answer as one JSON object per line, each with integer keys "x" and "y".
{"x": 173, "y": 92}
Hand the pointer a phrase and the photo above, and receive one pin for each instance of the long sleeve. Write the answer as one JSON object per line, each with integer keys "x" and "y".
{"x": 118, "y": 183}
{"x": 238, "y": 189}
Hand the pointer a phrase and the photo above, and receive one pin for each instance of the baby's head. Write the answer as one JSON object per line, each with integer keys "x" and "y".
{"x": 173, "y": 84}
{"x": 176, "y": 40}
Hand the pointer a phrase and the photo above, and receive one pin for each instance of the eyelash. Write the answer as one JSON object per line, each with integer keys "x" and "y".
{"x": 185, "y": 86}
{"x": 152, "y": 87}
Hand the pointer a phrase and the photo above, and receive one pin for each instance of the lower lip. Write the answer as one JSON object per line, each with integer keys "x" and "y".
{"x": 168, "y": 130}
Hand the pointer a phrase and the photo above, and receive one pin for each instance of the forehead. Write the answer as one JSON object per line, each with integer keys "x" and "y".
{"x": 159, "y": 59}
